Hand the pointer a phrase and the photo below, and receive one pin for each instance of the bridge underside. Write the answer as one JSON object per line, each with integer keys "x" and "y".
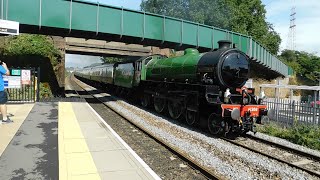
{"x": 104, "y": 48}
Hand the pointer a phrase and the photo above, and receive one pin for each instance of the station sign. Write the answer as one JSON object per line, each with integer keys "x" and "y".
{"x": 15, "y": 72}
{"x": 9, "y": 27}
{"x": 25, "y": 77}
{"x": 12, "y": 81}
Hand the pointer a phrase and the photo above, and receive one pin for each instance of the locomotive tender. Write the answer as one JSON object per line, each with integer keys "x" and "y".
{"x": 204, "y": 88}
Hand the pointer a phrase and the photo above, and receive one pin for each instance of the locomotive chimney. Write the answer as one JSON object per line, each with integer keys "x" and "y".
{"x": 224, "y": 44}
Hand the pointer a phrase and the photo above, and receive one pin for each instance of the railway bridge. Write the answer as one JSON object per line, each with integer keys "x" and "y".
{"x": 103, "y": 22}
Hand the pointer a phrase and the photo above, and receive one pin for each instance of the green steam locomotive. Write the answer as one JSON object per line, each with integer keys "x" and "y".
{"x": 202, "y": 88}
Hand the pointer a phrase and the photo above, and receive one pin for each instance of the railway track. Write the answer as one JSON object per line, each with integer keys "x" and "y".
{"x": 293, "y": 157}
{"x": 207, "y": 173}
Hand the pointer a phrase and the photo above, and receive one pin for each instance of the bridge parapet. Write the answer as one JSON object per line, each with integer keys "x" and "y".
{"x": 97, "y": 21}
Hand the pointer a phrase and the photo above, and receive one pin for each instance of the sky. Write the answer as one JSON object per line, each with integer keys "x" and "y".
{"x": 307, "y": 22}
{"x": 278, "y": 13}
{"x": 80, "y": 61}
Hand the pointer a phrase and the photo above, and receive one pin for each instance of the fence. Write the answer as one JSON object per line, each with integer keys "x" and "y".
{"x": 28, "y": 89}
{"x": 288, "y": 112}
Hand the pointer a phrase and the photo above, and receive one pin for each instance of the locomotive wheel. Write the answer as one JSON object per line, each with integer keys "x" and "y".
{"x": 191, "y": 117}
{"x": 175, "y": 109}
{"x": 159, "y": 104}
{"x": 214, "y": 124}
{"x": 145, "y": 100}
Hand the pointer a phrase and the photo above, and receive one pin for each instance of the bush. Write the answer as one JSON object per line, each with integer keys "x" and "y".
{"x": 45, "y": 91}
{"x": 304, "y": 135}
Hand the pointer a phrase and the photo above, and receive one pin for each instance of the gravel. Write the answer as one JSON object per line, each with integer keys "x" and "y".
{"x": 285, "y": 143}
{"x": 222, "y": 157}
{"x": 280, "y": 153}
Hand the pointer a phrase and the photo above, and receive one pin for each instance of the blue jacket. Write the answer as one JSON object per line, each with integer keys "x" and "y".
{"x": 2, "y": 72}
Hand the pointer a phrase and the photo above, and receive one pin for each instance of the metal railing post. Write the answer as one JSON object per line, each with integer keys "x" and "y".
{"x": 40, "y": 14}
{"x": 314, "y": 107}
{"x": 212, "y": 38}
{"x": 121, "y": 24}
{"x": 70, "y": 17}
{"x": 38, "y": 84}
{"x": 97, "y": 19}
{"x": 163, "y": 29}
{"x": 181, "y": 33}
{"x": 293, "y": 112}
{"x": 144, "y": 26}
{"x": 1, "y": 9}
{"x": 198, "y": 36}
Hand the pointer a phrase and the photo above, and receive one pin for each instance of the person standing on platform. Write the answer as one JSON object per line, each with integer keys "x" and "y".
{"x": 3, "y": 94}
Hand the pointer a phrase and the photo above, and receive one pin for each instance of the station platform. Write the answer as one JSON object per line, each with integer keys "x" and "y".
{"x": 65, "y": 140}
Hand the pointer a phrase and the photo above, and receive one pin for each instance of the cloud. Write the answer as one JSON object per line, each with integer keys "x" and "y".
{"x": 307, "y": 22}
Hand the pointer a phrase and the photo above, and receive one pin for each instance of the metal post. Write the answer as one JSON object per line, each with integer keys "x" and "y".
{"x": 7, "y": 9}
{"x": 314, "y": 107}
{"x": 277, "y": 99}
{"x": 163, "y": 30}
{"x": 40, "y": 14}
{"x": 197, "y": 35}
{"x": 318, "y": 90}
{"x": 144, "y": 25}
{"x": 240, "y": 45}
{"x": 231, "y": 39}
{"x": 98, "y": 12}
{"x": 250, "y": 47}
{"x": 1, "y": 9}
{"x": 293, "y": 112}
{"x": 121, "y": 25}
{"x": 181, "y": 34}
{"x": 255, "y": 50}
{"x": 38, "y": 84}
{"x": 70, "y": 17}
{"x": 212, "y": 39}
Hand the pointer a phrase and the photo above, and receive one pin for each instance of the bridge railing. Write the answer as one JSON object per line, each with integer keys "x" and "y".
{"x": 120, "y": 23}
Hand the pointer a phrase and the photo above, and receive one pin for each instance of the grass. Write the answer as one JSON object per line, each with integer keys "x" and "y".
{"x": 304, "y": 135}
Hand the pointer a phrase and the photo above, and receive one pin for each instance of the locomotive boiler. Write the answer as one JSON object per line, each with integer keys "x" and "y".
{"x": 202, "y": 88}
{"x": 225, "y": 67}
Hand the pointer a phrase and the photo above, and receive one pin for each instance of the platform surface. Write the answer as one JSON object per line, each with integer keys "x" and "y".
{"x": 64, "y": 140}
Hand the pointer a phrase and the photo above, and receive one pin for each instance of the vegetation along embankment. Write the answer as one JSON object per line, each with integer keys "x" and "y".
{"x": 304, "y": 135}
{"x": 35, "y": 51}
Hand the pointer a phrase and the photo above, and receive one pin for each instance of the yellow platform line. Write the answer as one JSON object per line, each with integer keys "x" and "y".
{"x": 75, "y": 160}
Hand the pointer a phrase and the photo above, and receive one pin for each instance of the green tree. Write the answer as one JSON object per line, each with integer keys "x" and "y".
{"x": 243, "y": 16}
{"x": 31, "y": 45}
{"x": 304, "y": 64}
